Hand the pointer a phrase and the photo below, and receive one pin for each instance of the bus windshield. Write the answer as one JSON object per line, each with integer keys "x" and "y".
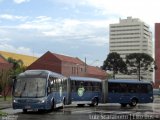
{"x": 30, "y": 87}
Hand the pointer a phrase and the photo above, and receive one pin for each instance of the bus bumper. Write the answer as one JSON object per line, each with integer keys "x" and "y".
{"x": 81, "y": 102}
{"x": 29, "y": 106}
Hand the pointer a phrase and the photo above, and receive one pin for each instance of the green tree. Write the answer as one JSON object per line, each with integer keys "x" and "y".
{"x": 139, "y": 62}
{"x": 0, "y": 88}
{"x": 7, "y": 75}
{"x": 17, "y": 66}
{"x": 114, "y": 63}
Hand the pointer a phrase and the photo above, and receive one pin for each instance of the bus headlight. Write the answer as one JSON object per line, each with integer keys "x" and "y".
{"x": 42, "y": 101}
{"x": 15, "y": 101}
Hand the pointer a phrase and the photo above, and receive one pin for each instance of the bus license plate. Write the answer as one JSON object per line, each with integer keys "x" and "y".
{"x": 27, "y": 107}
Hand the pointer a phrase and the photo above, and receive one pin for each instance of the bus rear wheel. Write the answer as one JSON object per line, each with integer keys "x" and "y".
{"x": 94, "y": 102}
{"x": 63, "y": 104}
{"x": 80, "y": 105}
{"x": 134, "y": 102}
{"x": 123, "y": 104}
{"x": 64, "y": 101}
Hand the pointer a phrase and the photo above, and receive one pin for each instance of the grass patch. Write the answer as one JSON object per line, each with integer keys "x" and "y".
{"x": 8, "y": 98}
{"x": 3, "y": 113}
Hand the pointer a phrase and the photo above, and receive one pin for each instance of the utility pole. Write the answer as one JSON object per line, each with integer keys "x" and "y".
{"x": 85, "y": 65}
{"x": 139, "y": 70}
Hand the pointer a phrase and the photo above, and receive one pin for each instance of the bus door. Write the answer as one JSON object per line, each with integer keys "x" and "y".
{"x": 55, "y": 89}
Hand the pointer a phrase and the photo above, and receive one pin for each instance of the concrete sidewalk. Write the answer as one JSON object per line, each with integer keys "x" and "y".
{"x": 5, "y": 104}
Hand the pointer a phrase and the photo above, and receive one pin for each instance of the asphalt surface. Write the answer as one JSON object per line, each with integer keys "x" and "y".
{"x": 149, "y": 111}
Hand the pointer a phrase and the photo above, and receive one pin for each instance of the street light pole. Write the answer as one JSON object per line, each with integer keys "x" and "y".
{"x": 85, "y": 65}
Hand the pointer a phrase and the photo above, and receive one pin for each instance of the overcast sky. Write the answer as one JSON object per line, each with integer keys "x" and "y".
{"x": 77, "y": 28}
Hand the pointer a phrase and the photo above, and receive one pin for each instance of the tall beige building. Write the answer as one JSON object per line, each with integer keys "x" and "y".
{"x": 130, "y": 35}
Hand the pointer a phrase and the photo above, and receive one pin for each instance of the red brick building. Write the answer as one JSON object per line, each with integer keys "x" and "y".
{"x": 157, "y": 54}
{"x": 67, "y": 66}
{"x": 4, "y": 65}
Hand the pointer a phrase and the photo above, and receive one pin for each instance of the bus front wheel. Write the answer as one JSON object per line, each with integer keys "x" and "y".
{"x": 24, "y": 110}
{"x": 134, "y": 102}
{"x": 52, "y": 107}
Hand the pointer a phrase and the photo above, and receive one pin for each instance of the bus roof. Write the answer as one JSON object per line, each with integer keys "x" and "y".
{"x": 85, "y": 79}
{"x": 40, "y": 72}
{"x": 128, "y": 81}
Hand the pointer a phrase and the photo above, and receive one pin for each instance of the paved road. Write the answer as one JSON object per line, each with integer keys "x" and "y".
{"x": 103, "y": 112}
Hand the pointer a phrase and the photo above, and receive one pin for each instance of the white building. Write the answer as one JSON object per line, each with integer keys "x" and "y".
{"x": 130, "y": 35}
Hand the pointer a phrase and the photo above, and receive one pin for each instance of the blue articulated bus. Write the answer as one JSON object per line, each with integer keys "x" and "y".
{"x": 39, "y": 90}
{"x": 129, "y": 92}
{"x": 85, "y": 90}
{"x": 46, "y": 90}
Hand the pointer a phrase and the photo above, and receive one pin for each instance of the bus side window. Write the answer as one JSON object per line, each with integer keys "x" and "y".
{"x": 143, "y": 89}
{"x": 93, "y": 87}
{"x": 77, "y": 85}
{"x": 56, "y": 84}
{"x": 114, "y": 87}
{"x": 123, "y": 88}
{"x": 53, "y": 87}
{"x": 64, "y": 84}
{"x": 59, "y": 83}
{"x": 86, "y": 86}
{"x": 90, "y": 86}
{"x": 110, "y": 88}
{"x": 149, "y": 88}
{"x": 100, "y": 85}
{"x": 50, "y": 83}
{"x": 138, "y": 88}
{"x": 73, "y": 86}
{"x": 132, "y": 88}
{"x": 80, "y": 85}
{"x": 97, "y": 86}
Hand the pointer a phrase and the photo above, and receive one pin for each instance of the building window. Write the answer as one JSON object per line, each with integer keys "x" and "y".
{"x": 72, "y": 70}
{"x": 77, "y": 70}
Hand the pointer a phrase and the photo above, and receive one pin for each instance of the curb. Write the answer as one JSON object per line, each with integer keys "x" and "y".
{"x": 2, "y": 108}
{"x": 5, "y": 106}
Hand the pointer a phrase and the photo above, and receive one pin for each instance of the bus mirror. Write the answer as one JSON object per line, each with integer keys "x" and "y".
{"x": 14, "y": 78}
